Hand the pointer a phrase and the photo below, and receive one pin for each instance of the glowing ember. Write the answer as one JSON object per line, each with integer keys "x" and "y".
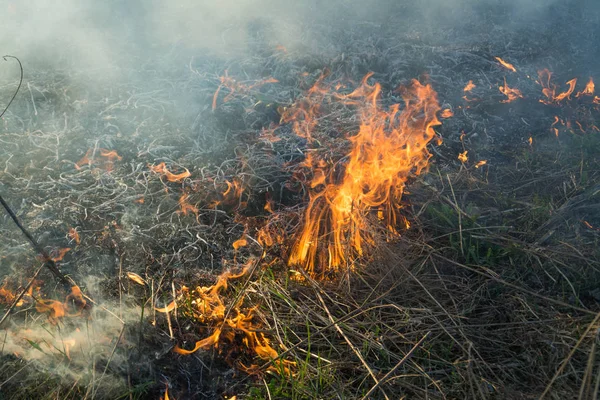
{"x": 506, "y": 65}
{"x": 480, "y": 163}
{"x": 389, "y": 147}
{"x": 463, "y": 156}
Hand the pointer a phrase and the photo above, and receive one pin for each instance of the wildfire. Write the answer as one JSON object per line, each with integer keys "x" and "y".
{"x": 389, "y": 147}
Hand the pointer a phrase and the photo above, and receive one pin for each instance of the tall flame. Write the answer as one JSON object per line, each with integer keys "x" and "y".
{"x": 389, "y": 147}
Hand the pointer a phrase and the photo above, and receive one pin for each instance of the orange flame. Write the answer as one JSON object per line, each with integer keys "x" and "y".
{"x": 463, "y": 156}
{"x": 510, "y": 93}
{"x": 549, "y": 89}
{"x": 389, "y": 147}
{"x": 447, "y": 113}
{"x": 237, "y": 326}
{"x": 236, "y": 87}
{"x": 74, "y": 235}
{"x": 506, "y": 65}
{"x": 171, "y": 177}
{"x": 589, "y": 89}
{"x": 470, "y": 86}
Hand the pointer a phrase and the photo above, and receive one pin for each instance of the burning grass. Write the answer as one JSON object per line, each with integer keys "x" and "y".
{"x": 307, "y": 254}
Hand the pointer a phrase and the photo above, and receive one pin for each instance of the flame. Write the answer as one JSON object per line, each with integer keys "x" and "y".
{"x": 480, "y": 163}
{"x": 447, "y": 113}
{"x": 506, "y": 65}
{"x": 510, "y": 93}
{"x": 107, "y": 164}
{"x": 206, "y": 305}
{"x": 389, "y": 147}
{"x": 589, "y": 89}
{"x": 549, "y": 89}
{"x": 463, "y": 156}
{"x": 185, "y": 206}
{"x": 304, "y": 112}
{"x": 171, "y": 177}
{"x": 74, "y": 235}
{"x": 470, "y": 86}
{"x": 59, "y": 254}
{"x": 530, "y": 140}
{"x": 236, "y": 87}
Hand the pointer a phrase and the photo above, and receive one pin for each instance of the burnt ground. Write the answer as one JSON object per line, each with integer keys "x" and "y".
{"x": 492, "y": 293}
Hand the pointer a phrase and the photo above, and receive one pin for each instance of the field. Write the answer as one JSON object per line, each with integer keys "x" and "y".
{"x": 392, "y": 211}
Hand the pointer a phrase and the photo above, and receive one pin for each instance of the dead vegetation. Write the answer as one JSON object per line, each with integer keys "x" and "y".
{"x": 491, "y": 293}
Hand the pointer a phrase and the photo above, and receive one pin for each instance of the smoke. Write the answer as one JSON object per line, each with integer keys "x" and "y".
{"x": 100, "y": 36}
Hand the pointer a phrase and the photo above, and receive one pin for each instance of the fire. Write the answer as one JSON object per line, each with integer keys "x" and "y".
{"x": 506, "y": 65}
{"x": 447, "y": 113}
{"x": 303, "y": 114}
{"x": 106, "y": 159}
{"x": 74, "y": 235}
{"x": 549, "y": 89}
{"x": 389, "y": 147}
{"x": 59, "y": 254}
{"x": 230, "y": 326}
{"x": 480, "y": 163}
{"x": 470, "y": 86}
{"x": 236, "y": 87}
{"x": 510, "y": 93}
{"x": 589, "y": 89}
{"x": 463, "y": 156}
{"x": 171, "y": 177}
{"x": 187, "y": 207}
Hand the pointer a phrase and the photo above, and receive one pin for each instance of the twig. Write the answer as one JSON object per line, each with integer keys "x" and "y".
{"x": 14, "y": 303}
{"x": 18, "y": 87}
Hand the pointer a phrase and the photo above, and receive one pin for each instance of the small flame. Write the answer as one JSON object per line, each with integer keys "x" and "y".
{"x": 447, "y": 113}
{"x": 74, "y": 235}
{"x": 506, "y": 65}
{"x": 470, "y": 86}
{"x": 463, "y": 156}
{"x": 171, "y": 177}
{"x": 480, "y": 163}
{"x": 510, "y": 93}
{"x": 236, "y": 87}
{"x": 589, "y": 89}
{"x": 185, "y": 206}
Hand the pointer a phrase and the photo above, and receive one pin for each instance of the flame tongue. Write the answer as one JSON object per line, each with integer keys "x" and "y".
{"x": 389, "y": 146}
